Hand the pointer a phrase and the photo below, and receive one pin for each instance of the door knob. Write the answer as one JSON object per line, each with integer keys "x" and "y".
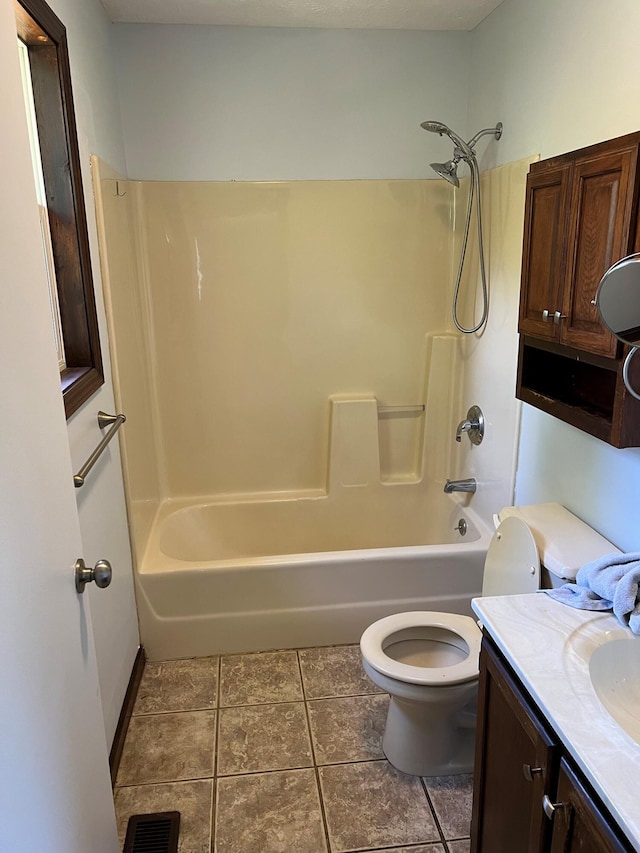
{"x": 100, "y": 573}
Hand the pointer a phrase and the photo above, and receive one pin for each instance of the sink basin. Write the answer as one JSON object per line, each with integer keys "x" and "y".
{"x": 614, "y": 669}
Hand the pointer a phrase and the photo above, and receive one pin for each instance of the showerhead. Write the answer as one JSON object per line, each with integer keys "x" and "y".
{"x": 448, "y": 171}
{"x": 463, "y": 150}
{"x": 434, "y": 127}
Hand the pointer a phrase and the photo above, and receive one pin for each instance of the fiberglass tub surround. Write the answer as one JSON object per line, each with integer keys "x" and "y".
{"x": 286, "y": 357}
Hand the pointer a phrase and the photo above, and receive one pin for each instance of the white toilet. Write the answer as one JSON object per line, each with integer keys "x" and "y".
{"x": 428, "y": 661}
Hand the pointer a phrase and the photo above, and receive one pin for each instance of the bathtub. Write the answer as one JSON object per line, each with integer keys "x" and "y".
{"x": 289, "y": 572}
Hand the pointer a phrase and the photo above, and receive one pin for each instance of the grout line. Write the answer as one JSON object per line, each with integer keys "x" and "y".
{"x": 316, "y": 771}
{"x": 287, "y": 769}
{"x": 401, "y": 847}
{"x": 217, "y": 725}
{"x": 433, "y": 812}
{"x": 165, "y": 782}
{"x": 175, "y": 711}
{"x": 214, "y": 787}
{"x": 212, "y": 816}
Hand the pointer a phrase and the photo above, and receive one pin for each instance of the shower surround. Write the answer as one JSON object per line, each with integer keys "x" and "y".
{"x": 284, "y": 355}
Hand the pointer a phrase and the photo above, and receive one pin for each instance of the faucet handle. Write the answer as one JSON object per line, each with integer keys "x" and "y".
{"x": 463, "y": 426}
{"x": 473, "y": 426}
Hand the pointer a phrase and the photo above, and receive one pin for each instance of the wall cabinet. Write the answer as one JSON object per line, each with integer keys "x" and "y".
{"x": 580, "y": 217}
{"x": 528, "y": 796}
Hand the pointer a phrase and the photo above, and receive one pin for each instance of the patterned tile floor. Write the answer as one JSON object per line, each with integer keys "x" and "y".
{"x": 280, "y": 752}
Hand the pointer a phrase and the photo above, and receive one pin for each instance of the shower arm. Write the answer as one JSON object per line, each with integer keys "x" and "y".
{"x": 487, "y": 131}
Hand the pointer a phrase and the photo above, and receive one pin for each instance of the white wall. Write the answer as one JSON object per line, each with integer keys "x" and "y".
{"x": 562, "y": 75}
{"x": 242, "y": 103}
{"x": 101, "y": 505}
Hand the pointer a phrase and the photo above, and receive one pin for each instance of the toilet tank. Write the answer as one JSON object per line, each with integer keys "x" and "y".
{"x": 564, "y": 542}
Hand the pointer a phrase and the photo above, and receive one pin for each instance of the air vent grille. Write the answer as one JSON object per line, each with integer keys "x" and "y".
{"x": 152, "y": 833}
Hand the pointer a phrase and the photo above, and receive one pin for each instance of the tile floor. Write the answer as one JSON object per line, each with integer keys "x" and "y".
{"x": 280, "y": 752}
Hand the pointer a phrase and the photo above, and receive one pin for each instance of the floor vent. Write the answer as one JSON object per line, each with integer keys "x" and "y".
{"x": 152, "y": 833}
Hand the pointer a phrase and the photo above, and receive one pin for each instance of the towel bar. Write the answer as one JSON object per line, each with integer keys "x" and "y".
{"x": 104, "y": 420}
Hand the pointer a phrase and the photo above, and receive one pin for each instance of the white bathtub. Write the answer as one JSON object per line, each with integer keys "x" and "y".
{"x": 291, "y": 572}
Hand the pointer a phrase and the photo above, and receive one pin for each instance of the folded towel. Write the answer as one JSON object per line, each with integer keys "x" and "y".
{"x": 609, "y": 583}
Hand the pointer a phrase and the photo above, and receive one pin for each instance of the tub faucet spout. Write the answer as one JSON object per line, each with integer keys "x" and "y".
{"x": 469, "y": 485}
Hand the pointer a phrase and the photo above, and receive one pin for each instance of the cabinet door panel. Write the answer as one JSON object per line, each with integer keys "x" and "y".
{"x": 601, "y": 204}
{"x": 578, "y": 825}
{"x": 507, "y": 806}
{"x": 542, "y": 259}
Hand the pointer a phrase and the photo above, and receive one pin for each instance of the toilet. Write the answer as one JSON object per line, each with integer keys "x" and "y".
{"x": 428, "y": 661}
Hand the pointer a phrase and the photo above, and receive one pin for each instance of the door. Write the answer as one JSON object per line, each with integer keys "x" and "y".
{"x": 515, "y": 766}
{"x": 545, "y": 223}
{"x": 602, "y": 201}
{"x": 54, "y": 777}
{"x": 578, "y": 825}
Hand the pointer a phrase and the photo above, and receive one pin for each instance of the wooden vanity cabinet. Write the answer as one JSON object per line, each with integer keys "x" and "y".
{"x": 581, "y": 215}
{"x": 520, "y": 768}
{"x": 516, "y": 760}
{"x": 578, "y": 824}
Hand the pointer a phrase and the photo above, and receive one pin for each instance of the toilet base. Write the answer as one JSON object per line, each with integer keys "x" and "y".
{"x": 420, "y": 743}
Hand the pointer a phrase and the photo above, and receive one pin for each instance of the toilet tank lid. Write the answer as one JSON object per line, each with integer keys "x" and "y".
{"x": 565, "y": 543}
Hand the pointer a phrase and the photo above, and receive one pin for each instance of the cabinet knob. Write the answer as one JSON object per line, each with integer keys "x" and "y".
{"x": 558, "y": 316}
{"x": 545, "y": 316}
{"x": 529, "y": 771}
{"x": 551, "y": 808}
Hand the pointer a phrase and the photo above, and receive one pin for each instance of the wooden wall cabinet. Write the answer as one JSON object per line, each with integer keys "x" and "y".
{"x": 520, "y": 768}
{"x": 580, "y": 217}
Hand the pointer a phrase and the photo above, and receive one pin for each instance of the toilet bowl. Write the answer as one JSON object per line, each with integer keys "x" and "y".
{"x": 428, "y": 661}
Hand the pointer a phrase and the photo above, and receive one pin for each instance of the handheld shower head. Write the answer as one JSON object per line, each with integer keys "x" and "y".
{"x": 434, "y": 127}
{"x": 440, "y": 127}
{"x": 448, "y": 171}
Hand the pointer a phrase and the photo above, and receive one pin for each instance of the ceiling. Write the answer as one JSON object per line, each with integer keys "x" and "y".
{"x": 334, "y": 14}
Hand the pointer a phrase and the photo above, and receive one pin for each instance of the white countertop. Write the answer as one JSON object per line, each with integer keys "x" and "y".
{"x": 549, "y": 644}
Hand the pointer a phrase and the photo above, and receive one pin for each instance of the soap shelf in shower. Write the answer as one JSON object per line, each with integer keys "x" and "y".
{"x": 417, "y": 409}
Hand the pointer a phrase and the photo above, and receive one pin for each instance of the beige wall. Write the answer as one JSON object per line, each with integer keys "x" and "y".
{"x": 267, "y": 298}
{"x": 122, "y": 259}
{"x": 489, "y": 360}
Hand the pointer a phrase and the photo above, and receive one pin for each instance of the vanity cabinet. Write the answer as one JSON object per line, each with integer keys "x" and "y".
{"x": 528, "y": 797}
{"x": 580, "y": 217}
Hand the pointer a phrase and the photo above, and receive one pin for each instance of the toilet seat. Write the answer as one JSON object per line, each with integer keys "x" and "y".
{"x": 463, "y": 628}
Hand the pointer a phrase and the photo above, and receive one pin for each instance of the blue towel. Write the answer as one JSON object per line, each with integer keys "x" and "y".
{"x": 609, "y": 583}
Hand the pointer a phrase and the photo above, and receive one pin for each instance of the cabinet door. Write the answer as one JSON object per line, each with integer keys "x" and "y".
{"x": 578, "y": 825}
{"x": 602, "y": 200}
{"x": 543, "y": 262}
{"x": 516, "y": 764}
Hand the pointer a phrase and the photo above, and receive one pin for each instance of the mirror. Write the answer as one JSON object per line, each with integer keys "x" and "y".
{"x": 618, "y": 299}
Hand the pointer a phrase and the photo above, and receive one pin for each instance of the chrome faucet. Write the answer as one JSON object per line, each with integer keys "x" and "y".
{"x": 463, "y": 426}
{"x": 469, "y": 485}
{"x": 473, "y": 426}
